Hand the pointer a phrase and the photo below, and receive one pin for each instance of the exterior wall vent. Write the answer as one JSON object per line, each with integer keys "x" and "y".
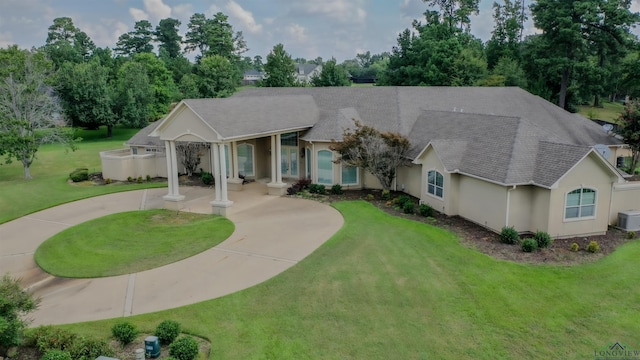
{"x": 629, "y": 220}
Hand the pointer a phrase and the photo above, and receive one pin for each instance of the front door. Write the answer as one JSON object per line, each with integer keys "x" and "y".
{"x": 289, "y": 162}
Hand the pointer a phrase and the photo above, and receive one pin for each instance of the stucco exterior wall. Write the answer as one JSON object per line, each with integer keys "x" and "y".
{"x": 122, "y": 164}
{"x": 482, "y": 202}
{"x": 589, "y": 173}
{"x": 430, "y": 161}
{"x": 539, "y": 215}
{"x": 187, "y": 127}
{"x": 411, "y": 178}
{"x": 625, "y": 197}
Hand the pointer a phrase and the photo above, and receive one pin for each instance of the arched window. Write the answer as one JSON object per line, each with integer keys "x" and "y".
{"x": 435, "y": 183}
{"x": 245, "y": 160}
{"x": 580, "y": 203}
{"x": 325, "y": 167}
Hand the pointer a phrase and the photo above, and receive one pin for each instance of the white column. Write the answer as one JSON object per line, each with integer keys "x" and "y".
{"x": 215, "y": 169}
{"x": 223, "y": 171}
{"x": 274, "y": 164}
{"x": 278, "y": 159}
{"x": 167, "y": 151}
{"x": 234, "y": 161}
{"x": 174, "y": 167}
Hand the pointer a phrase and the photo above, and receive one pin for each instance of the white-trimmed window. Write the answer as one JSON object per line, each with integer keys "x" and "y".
{"x": 435, "y": 183}
{"x": 580, "y": 203}
{"x": 245, "y": 160}
{"x": 325, "y": 167}
{"x": 308, "y": 162}
{"x": 349, "y": 175}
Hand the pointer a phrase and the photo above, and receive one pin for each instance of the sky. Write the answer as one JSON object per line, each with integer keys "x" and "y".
{"x": 307, "y": 28}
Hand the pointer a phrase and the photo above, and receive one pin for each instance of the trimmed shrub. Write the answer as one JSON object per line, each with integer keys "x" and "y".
{"x": 543, "y": 239}
{"x": 386, "y": 195}
{"x": 509, "y": 235}
{"x": 129, "y": 179}
{"x": 79, "y": 175}
{"x": 593, "y": 247}
{"x": 425, "y": 210}
{"x": 575, "y": 247}
{"x": 56, "y": 354}
{"x": 529, "y": 245}
{"x": 48, "y": 338}
{"x": 207, "y": 178}
{"x": 185, "y": 348}
{"x": 124, "y": 332}
{"x": 167, "y": 331}
{"x": 317, "y": 189}
{"x": 108, "y": 181}
{"x": 409, "y": 207}
{"x": 402, "y": 199}
{"x": 90, "y": 348}
{"x": 631, "y": 235}
{"x": 148, "y": 178}
{"x": 139, "y": 180}
{"x": 337, "y": 189}
{"x": 370, "y": 197}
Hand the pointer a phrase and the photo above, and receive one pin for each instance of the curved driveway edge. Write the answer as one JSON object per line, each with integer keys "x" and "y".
{"x": 271, "y": 234}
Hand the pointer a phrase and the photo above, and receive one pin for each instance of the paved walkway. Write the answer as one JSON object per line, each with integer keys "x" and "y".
{"x": 271, "y": 234}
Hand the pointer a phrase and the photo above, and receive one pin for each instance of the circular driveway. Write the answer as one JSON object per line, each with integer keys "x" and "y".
{"x": 271, "y": 234}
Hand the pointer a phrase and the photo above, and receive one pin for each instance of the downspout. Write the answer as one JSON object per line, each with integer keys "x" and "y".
{"x": 611, "y": 203}
{"x": 506, "y": 220}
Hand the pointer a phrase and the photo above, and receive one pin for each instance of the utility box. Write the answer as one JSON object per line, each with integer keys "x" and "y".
{"x": 152, "y": 346}
{"x": 629, "y": 220}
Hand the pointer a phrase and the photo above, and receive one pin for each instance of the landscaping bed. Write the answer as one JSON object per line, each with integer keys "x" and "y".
{"x": 477, "y": 237}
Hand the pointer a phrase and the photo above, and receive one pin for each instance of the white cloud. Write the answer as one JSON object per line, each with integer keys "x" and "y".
{"x": 183, "y": 12}
{"x": 138, "y": 14}
{"x": 343, "y": 11}
{"x": 157, "y": 9}
{"x": 213, "y": 9}
{"x": 106, "y": 32}
{"x": 244, "y": 16}
{"x": 296, "y": 32}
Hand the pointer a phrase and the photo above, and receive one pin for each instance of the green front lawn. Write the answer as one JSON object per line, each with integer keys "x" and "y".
{"x": 130, "y": 242}
{"x": 49, "y": 187}
{"x": 609, "y": 111}
{"x": 388, "y": 288}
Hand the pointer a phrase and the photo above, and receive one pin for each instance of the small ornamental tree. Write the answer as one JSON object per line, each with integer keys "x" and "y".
{"x": 15, "y": 303}
{"x": 190, "y": 154}
{"x": 629, "y": 129}
{"x": 369, "y": 149}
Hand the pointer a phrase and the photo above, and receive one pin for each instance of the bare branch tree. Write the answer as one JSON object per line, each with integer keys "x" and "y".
{"x": 190, "y": 153}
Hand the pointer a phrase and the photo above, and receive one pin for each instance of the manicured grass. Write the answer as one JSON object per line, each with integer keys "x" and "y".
{"x": 610, "y": 111}
{"x": 388, "y": 288}
{"x": 50, "y": 171}
{"x": 130, "y": 242}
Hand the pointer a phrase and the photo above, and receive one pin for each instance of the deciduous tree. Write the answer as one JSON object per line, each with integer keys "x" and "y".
{"x": 217, "y": 77}
{"x": 331, "y": 75}
{"x": 369, "y": 149}
{"x": 15, "y": 303}
{"x": 279, "y": 69}
{"x": 629, "y": 129}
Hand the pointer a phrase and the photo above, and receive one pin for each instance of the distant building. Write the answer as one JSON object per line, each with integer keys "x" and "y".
{"x": 252, "y": 76}
{"x": 305, "y": 72}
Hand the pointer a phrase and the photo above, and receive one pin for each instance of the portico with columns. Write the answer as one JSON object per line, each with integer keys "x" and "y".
{"x": 226, "y": 133}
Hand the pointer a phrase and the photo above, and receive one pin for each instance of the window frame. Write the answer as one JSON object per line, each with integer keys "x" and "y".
{"x": 355, "y": 168}
{"x": 435, "y": 184}
{"x": 580, "y": 205}
{"x": 318, "y": 170}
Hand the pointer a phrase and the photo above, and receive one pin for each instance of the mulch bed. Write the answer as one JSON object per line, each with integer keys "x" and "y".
{"x": 477, "y": 237}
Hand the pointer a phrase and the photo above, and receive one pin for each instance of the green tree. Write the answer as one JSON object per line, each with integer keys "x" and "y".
{"x": 134, "y": 95}
{"x": 29, "y": 114}
{"x": 279, "y": 69}
{"x": 167, "y": 35}
{"x": 188, "y": 87}
{"x": 217, "y": 77}
{"x": 67, "y": 43}
{"x": 506, "y": 36}
{"x": 369, "y": 149}
{"x": 137, "y": 41}
{"x": 331, "y": 75}
{"x": 214, "y": 36}
{"x": 629, "y": 129}
{"x": 456, "y": 13}
{"x": 511, "y": 71}
{"x": 85, "y": 95}
{"x": 164, "y": 89}
{"x": 15, "y": 303}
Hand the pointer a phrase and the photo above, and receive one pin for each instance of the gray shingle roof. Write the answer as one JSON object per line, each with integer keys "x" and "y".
{"x": 505, "y": 135}
{"x": 142, "y": 138}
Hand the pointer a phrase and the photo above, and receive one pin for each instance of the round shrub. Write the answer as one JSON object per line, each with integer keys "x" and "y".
{"x": 337, "y": 189}
{"x": 425, "y": 210}
{"x": 402, "y": 199}
{"x": 575, "y": 247}
{"x": 509, "y": 235}
{"x": 90, "y": 348}
{"x": 543, "y": 239}
{"x": 386, "y": 195}
{"x": 124, "y": 332}
{"x": 56, "y": 354}
{"x": 167, "y": 331}
{"x": 529, "y": 245}
{"x": 207, "y": 178}
{"x": 79, "y": 175}
{"x": 409, "y": 207}
{"x": 51, "y": 338}
{"x": 593, "y": 247}
{"x": 185, "y": 348}
{"x": 631, "y": 235}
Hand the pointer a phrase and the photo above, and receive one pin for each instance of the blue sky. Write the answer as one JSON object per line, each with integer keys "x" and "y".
{"x": 307, "y": 28}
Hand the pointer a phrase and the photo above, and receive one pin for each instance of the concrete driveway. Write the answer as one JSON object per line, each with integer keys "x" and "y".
{"x": 271, "y": 234}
